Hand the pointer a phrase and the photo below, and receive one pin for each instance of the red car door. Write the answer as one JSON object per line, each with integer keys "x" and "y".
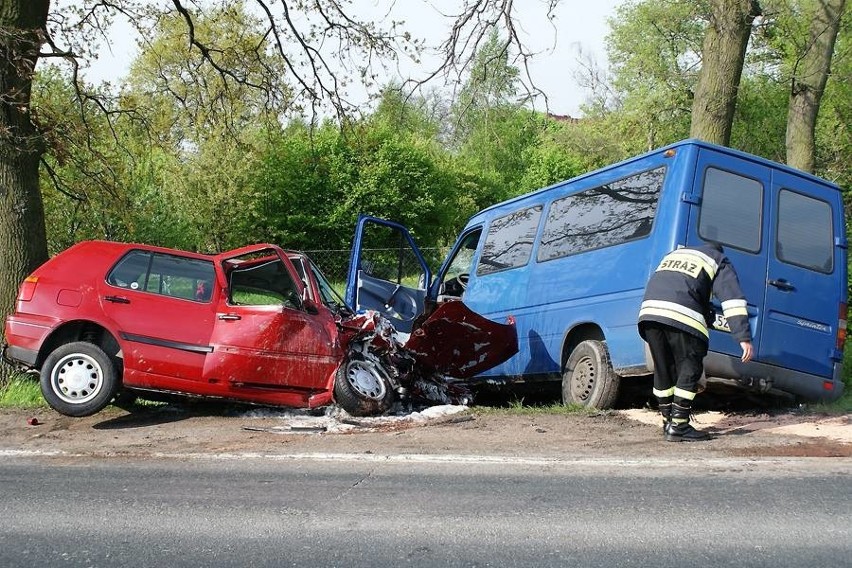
{"x": 162, "y": 308}
{"x": 263, "y": 336}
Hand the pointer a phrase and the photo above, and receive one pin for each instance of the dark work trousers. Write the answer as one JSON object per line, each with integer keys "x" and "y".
{"x": 678, "y": 357}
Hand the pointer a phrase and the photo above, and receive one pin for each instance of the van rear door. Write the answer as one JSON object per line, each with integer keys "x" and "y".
{"x": 784, "y": 235}
{"x": 805, "y": 278}
{"x": 727, "y": 205}
{"x": 387, "y": 273}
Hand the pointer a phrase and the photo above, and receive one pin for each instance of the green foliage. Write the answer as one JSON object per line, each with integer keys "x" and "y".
{"x": 84, "y": 169}
{"x": 187, "y": 100}
{"x": 654, "y": 51}
{"x": 759, "y": 122}
{"x": 21, "y": 391}
{"x": 302, "y": 175}
{"x": 833, "y": 135}
{"x": 548, "y": 163}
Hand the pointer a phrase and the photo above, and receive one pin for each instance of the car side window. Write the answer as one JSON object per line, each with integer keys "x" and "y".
{"x": 603, "y": 216}
{"x": 131, "y": 271}
{"x": 165, "y": 274}
{"x": 263, "y": 283}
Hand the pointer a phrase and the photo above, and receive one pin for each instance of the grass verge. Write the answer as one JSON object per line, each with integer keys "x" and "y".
{"x": 21, "y": 391}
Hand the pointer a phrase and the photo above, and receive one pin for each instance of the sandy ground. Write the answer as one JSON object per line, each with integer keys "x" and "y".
{"x": 199, "y": 429}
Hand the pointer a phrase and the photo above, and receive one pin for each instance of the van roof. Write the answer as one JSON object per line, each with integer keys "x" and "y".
{"x": 686, "y": 142}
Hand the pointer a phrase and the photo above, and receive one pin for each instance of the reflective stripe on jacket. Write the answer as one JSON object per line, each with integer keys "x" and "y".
{"x": 678, "y": 293}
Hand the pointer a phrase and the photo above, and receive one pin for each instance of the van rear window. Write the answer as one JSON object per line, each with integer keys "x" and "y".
{"x": 805, "y": 236}
{"x": 731, "y": 210}
{"x": 603, "y": 216}
{"x": 509, "y": 241}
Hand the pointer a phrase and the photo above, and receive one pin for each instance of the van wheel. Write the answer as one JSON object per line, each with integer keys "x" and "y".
{"x": 78, "y": 379}
{"x": 588, "y": 378}
{"x": 361, "y": 387}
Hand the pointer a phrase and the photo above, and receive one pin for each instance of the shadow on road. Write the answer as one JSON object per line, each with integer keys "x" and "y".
{"x": 140, "y": 417}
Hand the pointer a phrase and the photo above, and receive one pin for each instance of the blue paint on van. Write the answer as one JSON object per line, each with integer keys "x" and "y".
{"x": 570, "y": 261}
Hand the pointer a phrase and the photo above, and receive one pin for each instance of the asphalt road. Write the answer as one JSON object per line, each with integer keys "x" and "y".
{"x": 308, "y": 512}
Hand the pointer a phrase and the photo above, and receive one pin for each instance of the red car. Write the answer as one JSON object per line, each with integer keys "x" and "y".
{"x": 256, "y": 324}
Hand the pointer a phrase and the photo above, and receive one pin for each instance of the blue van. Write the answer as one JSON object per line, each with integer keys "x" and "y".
{"x": 570, "y": 263}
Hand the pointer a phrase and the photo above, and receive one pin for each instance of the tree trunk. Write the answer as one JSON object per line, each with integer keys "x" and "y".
{"x": 809, "y": 78}
{"x": 722, "y": 57}
{"x": 23, "y": 243}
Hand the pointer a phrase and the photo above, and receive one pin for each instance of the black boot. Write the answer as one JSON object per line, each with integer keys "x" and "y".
{"x": 680, "y": 430}
{"x": 666, "y": 413}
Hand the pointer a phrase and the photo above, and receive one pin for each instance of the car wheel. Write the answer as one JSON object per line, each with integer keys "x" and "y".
{"x": 78, "y": 379}
{"x": 361, "y": 388}
{"x": 588, "y": 378}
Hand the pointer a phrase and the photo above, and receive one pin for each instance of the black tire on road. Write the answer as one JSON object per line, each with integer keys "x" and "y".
{"x": 78, "y": 379}
{"x": 588, "y": 378}
{"x": 361, "y": 388}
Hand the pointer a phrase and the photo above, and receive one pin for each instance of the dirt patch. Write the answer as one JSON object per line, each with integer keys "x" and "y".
{"x": 175, "y": 430}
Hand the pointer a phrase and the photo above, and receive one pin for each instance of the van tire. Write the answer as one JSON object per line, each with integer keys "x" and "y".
{"x": 78, "y": 379}
{"x": 361, "y": 387}
{"x": 588, "y": 378}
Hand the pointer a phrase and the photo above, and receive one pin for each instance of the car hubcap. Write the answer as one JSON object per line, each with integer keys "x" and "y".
{"x": 77, "y": 378}
{"x": 366, "y": 380}
{"x": 583, "y": 379}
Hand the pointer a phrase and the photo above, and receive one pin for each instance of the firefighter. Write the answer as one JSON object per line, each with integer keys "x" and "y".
{"x": 674, "y": 320}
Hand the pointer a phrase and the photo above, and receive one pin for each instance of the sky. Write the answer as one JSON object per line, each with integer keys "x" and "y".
{"x": 578, "y": 30}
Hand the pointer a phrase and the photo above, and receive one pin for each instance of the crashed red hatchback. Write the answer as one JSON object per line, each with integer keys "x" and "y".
{"x": 257, "y": 324}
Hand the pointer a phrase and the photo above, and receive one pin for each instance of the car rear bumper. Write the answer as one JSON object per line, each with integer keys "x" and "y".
{"x": 18, "y": 356}
{"x": 769, "y": 377}
{"x": 25, "y": 335}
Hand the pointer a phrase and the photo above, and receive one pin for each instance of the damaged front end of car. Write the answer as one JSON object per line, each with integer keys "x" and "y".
{"x": 428, "y": 366}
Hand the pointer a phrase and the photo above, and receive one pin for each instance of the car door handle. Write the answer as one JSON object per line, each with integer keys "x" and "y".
{"x": 782, "y": 284}
{"x": 117, "y": 299}
{"x": 229, "y": 317}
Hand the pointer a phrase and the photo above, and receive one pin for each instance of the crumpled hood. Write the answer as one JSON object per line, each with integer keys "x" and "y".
{"x": 460, "y": 343}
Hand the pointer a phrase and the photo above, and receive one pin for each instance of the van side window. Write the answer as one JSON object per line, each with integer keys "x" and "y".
{"x": 805, "y": 236}
{"x": 603, "y": 216}
{"x": 731, "y": 210}
{"x": 509, "y": 241}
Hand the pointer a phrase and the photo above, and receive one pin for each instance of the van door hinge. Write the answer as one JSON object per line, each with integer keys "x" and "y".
{"x": 690, "y": 198}
{"x": 840, "y": 242}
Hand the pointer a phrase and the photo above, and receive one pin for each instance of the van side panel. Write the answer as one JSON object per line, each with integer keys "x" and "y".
{"x": 597, "y": 289}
